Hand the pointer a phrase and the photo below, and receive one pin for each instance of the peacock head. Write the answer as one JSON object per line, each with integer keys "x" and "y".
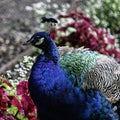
{"x": 39, "y": 40}
{"x": 43, "y": 41}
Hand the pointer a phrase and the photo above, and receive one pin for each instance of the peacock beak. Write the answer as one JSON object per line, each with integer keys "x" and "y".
{"x": 27, "y": 42}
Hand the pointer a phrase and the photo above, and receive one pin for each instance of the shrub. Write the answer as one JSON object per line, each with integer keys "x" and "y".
{"x": 82, "y": 32}
{"x": 15, "y": 102}
{"x": 105, "y": 13}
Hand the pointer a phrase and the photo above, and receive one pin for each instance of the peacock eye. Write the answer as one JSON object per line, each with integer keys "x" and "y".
{"x": 40, "y": 41}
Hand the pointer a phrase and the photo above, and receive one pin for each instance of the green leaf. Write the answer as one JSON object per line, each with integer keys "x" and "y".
{"x": 12, "y": 110}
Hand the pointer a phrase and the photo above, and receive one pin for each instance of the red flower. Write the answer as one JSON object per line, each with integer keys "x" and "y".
{"x": 111, "y": 40}
{"x": 22, "y": 88}
{"x": 3, "y": 99}
{"x": 53, "y": 33}
{"x": 94, "y": 44}
{"x": 26, "y": 101}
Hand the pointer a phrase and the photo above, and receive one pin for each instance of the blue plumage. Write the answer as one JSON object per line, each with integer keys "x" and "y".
{"x": 54, "y": 94}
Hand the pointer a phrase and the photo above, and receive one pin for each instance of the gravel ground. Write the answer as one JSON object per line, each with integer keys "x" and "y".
{"x": 15, "y": 24}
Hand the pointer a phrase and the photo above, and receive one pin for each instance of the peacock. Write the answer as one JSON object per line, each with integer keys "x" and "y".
{"x": 53, "y": 90}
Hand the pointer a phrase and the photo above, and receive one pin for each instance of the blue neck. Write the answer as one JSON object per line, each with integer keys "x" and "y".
{"x": 50, "y": 49}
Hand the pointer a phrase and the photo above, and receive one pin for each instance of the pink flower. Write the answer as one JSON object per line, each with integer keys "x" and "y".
{"x": 22, "y": 88}
{"x": 111, "y": 40}
{"x": 3, "y": 99}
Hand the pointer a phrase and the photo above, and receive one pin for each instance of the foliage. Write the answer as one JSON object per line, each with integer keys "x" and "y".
{"x": 21, "y": 70}
{"x": 15, "y": 102}
{"x": 105, "y": 13}
{"x": 80, "y": 31}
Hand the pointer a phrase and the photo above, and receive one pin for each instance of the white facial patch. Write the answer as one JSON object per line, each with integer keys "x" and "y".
{"x": 40, "y": 41}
